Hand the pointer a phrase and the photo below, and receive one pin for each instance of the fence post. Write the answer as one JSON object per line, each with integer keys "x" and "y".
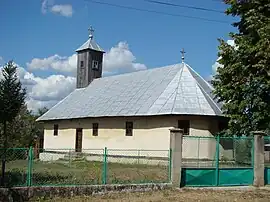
{"x": 170, "y": 166}
{"x": 30, "y": 167}
{"x": 198, "y": 152}
{"x": 176, "y": 140}
{"x": 69, "y": 158}
{"x": 104, "y": 176}
{"x": 258, "y": 158}
{"x": 139, "y": 154}
{"x": 217, "y": 160}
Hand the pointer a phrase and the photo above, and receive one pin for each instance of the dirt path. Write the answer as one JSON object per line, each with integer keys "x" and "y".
{"x": 176, "y": 196}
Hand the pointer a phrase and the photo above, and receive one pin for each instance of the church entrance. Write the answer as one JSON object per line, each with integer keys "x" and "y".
{"x": 78, "y": 143}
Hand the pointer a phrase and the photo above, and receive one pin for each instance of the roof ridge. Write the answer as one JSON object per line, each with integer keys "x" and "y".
{"x": 202, "y": 89}
{"x": 209, "y": 98}
{"x": 176, "y": 89}
{"x": 167, "y": 87}
{"x": 134, "y": 72}
{"x": 208, "y": 84}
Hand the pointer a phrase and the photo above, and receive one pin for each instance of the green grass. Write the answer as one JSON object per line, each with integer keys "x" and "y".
{"x": 83, "y": 173}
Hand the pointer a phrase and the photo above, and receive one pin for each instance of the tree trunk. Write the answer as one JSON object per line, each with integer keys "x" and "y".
{"x": 4, "y": 155}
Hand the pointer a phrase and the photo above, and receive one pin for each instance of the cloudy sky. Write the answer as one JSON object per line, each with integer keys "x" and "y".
{"x": 41, "y": 36}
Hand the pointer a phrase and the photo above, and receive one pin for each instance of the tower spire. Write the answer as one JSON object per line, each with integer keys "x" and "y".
{"x": 91, "y": 32}
{"x": 183, "y": 54}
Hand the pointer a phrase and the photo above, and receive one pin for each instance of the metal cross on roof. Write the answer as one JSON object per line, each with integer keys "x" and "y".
{"x": 183, "y": 54}
{"x": 91, "y": 31}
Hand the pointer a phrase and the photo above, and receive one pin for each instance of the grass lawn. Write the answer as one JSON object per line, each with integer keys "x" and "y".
{"x": 174, "y": 195}
{"x": 84, "y": 172}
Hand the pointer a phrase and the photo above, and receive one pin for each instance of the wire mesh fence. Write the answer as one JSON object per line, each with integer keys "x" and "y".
{"x": 68, "y": 167}
{"x": 199, "y": 152}
{"x": 138, "y": 166}
{"x": 235, "y": 152}
{"x": 50, "y": 167}
{"x": 58, "y": 167}
{"x": 221, "y": 152}
{"x": 16, "y": 166}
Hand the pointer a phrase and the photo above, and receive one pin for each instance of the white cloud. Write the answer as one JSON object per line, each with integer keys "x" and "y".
{"x": 231, "y": 42}
{"x": 54, "y": 87}
{"x": 44, "y": 92}
{"x": 216, "y": 64}
{"x": 55, "y": 62}
{"x": 119, "y": 59}
{"x": 65, "y": 10}
{"x": 45, "y": 5}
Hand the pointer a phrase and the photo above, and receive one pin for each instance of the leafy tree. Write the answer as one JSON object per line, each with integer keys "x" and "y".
{"x": 42, "y": 111}
{"x": 24, "y": 129}
{"x": 12, "y": 97}
{"x": 242, "y": 82}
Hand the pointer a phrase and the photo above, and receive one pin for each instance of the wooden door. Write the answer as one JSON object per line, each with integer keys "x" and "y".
{"x": 78, "y": 145}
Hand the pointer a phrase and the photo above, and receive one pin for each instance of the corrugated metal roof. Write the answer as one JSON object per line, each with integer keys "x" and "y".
{"x": 90, "y": 44}
{"x": 175, "y": 89}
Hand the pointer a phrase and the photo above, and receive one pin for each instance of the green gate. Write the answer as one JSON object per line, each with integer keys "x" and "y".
{"x": 267, "y": 160}
{"x": 217, "y": 161}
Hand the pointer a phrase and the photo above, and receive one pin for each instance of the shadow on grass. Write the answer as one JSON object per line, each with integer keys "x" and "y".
{"x": 17, "y": 178}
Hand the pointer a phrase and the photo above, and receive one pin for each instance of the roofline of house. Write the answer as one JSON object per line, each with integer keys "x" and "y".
{"x": 220, "y": 117}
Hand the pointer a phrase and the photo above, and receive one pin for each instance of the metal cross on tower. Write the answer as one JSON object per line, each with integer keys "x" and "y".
{"x": 183, "y": 54}
{"x": 91, "y": 31}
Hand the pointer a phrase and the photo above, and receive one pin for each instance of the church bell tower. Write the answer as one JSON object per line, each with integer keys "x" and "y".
{"x": 89, "y": 61}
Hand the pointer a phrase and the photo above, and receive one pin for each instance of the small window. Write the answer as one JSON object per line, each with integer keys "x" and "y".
{"x": 185, "y": 125}
{"x": 95, "y": 129}
{"x": 129, "y": 128}
{"x": 55, "y": 130}
{"x": 81, "y": 63}
{"x": 95, "y": 64}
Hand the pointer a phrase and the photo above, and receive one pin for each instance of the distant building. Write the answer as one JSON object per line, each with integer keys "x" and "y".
{"x": 132, "y": 110}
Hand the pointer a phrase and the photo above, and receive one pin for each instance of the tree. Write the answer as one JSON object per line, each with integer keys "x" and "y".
{"x": 12, "y": 97}
{"x": 24, "y": 129}
{"x": 242, "y": 81}
{"x": 42, "y": 111}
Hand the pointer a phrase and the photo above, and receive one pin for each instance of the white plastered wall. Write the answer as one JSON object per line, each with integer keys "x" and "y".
{"x": 149, "y": 133}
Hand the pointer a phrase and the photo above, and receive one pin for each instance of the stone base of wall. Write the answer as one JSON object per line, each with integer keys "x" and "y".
{"x": 23, "y": 194}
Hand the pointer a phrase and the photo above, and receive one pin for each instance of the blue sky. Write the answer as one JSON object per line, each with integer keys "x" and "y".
{"x": 39, "y": 35}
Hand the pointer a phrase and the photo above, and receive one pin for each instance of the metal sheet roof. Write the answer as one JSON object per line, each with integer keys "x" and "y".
{"x": 175, "y": 89}
{"x": 90, "y": 44}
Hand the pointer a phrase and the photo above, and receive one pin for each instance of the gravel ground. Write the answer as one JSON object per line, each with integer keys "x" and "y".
{"x": 175, "y": 195}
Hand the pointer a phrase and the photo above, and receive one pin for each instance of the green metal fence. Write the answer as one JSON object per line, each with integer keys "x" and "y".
{"x": 217, "y": 161}
{"x": 58, "y": 167}
{"x": 17, "y": 166}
